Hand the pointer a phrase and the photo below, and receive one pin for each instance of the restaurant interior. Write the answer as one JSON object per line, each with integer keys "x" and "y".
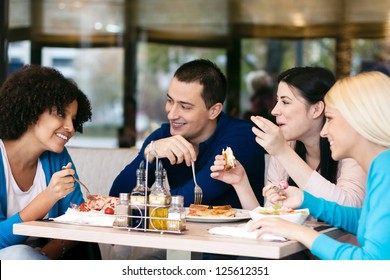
{"x": 123, "y": 52}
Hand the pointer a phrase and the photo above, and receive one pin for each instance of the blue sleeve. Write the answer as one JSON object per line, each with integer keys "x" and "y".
{"x": 126, "y": 179}
{"x": 51, "y": 162}
{"x": 7, "y": 238}
{"x": 340, "y": 216}
{"x": 373, "y": 221}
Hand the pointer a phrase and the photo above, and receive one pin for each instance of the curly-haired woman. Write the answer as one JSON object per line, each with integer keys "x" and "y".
{"x": 40, "y": 110}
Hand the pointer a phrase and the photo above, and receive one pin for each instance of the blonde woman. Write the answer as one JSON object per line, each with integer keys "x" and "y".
{"x": 357, "y": 126}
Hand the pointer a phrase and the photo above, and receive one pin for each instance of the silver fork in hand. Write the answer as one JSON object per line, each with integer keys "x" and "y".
{"x": 198, "y": 193}
{"x": 88, "y": 194}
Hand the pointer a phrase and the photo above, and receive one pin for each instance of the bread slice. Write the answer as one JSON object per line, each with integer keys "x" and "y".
{"x": 229, "y": 158}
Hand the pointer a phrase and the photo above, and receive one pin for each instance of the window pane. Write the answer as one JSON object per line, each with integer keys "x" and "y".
{"x": 82, "y": 17}
{"x": 371, "y": 54}
{"x": 19, "y": 13}
{"x": 18, "y": 55}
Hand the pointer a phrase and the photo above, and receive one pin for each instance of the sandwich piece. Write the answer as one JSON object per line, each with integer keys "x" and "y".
{"x": 229, "y": 158}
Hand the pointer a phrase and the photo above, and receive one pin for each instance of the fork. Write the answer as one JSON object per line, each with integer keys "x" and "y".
{"x": 88, "y": 193}
{"x": 198, "y": 193}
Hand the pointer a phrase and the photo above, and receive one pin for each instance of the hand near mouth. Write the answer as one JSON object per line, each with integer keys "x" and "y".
{"x": 269, "y": 136}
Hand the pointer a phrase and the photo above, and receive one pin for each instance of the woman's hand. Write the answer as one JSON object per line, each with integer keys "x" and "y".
{"x": 291, "y": 197}
{"x": 277, "y": 226}
{"x": 61, "y": 183}
{"x": 283, "y": 228}
{"x": 269, "y": 136}
{"x": 238, "y": 179}
{"x": 233, "y": 176}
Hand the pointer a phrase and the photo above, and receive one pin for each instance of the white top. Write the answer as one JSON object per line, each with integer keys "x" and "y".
{"x": 15, "y": 195}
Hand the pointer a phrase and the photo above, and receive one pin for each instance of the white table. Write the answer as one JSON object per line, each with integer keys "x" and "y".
{"x": 178, "y": 246}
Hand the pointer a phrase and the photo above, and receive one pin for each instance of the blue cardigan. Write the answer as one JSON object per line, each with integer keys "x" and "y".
{"x": 51, "y": 163}
{"x": 371, "y": 223}
{"x": 229, "y": 132}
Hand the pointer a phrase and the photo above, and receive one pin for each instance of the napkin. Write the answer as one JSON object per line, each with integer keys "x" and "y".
{"x": 242, "y": 230}
{"x": 73, "y": 216}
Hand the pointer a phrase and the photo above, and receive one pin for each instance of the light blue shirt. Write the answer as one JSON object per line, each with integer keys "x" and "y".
{"x": 371, "y": 223}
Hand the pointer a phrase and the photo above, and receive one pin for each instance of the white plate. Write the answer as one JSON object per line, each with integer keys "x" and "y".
{"x": 299, "y": 216}
{"x": 240, "y": 215}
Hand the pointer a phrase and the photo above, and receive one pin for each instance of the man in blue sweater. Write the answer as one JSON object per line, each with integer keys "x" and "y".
{"x": 197, "y": 131}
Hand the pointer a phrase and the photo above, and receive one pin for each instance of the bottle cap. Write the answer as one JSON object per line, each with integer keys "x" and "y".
{"x": 141, "y": 170}
{"x": 124, "y": 196}
{"x": 177, "y": 199}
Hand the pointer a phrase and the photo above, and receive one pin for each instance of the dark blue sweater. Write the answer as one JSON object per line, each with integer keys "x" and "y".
{"x": 231, "y": 132}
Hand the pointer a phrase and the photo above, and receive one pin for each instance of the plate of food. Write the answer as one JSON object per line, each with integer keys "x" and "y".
{"x": 96, "y": 212}
{"x": 298, "y": 216}
{"x": 215, "y": 214}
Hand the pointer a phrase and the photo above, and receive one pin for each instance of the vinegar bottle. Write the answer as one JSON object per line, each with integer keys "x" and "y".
{"x": 138, "y": 199}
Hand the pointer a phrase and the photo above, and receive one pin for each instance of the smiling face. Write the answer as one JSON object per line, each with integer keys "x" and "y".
{"x": 295, "y": 117}
{"x": 343, "y": 139}
{"x": 52, "y": 130}
{"x": 187, "y": 112}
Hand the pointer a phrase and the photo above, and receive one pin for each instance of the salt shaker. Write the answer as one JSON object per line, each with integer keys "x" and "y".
{"x": 122, "y": 212}
{"x": 176, "y": 214}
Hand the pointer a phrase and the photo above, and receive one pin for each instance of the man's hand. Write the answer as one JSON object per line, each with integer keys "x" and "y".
{"x": 175, "y": 148}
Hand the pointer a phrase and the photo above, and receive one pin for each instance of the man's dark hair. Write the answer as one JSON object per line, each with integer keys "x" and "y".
{"x": 208, "y": 75}
{"x": 30, "y": 91}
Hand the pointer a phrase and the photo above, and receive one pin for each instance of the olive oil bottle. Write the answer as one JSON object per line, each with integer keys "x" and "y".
{"x": 159, "y": 201}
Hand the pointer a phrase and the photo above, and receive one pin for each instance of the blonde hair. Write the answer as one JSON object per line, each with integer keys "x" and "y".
{"x": 363, "y": 100}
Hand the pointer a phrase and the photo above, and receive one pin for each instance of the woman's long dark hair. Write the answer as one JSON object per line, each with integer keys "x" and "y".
{"x": 313, "y": 83}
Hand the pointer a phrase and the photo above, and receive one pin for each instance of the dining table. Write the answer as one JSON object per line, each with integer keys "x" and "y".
{"x": 188, "y": 244}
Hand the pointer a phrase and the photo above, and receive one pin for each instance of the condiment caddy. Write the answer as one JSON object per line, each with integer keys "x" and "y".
{"x": 151, "y": 210}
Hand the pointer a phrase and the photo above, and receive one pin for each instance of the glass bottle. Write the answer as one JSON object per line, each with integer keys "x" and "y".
{"x": 138, "y": 198}
{"x": 159, "y": 201}
{"x": 176, "y": 214}
{"x": 122, "y": 211}
{"x": 166, "y": 182}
